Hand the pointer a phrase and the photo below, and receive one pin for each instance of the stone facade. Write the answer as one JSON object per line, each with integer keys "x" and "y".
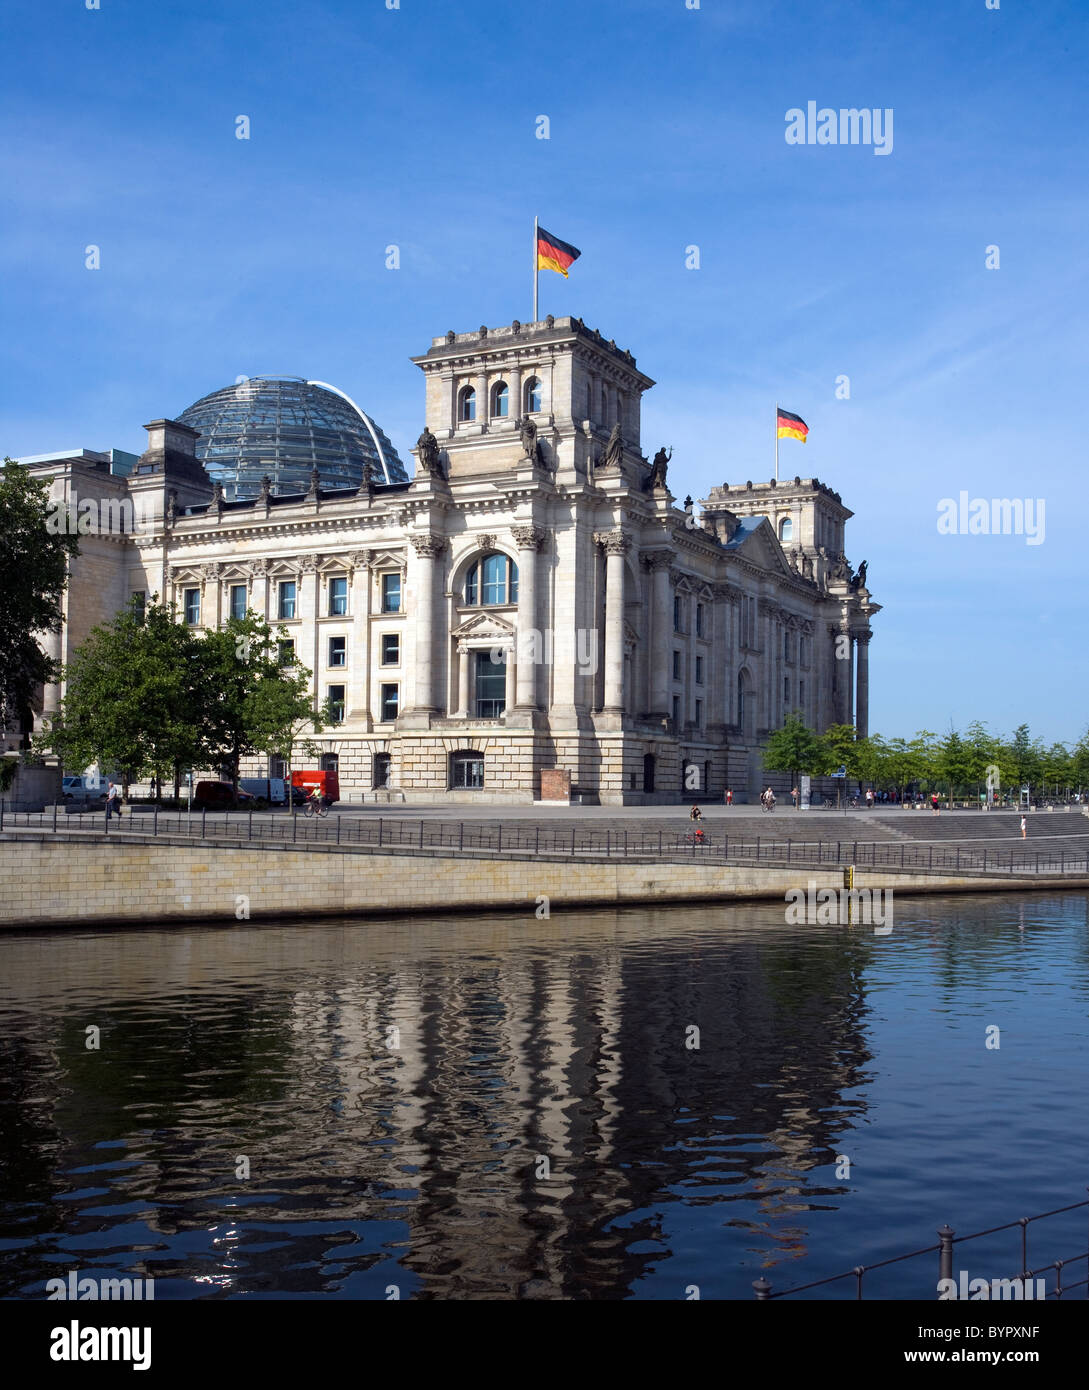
{"x": 533, "y": 599}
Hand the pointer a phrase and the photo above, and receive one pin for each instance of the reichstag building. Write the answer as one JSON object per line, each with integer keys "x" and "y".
{"x": 525, "y": 606}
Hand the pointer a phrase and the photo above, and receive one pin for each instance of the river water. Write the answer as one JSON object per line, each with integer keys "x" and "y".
{"x": 507, "y": 1107}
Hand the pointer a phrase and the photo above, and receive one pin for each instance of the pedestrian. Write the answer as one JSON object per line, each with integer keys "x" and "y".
{"x": 113, "y": 801}
{"x": 934, "y": 802}
{"x": 1024, "y": 828}
{"x": 729, "y": 796}
{"x": 794, "y": 796}
{"x": 695, "y": 814}
{"x": 869, "y": 798}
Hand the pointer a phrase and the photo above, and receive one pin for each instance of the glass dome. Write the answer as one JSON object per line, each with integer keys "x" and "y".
{"x": 285, "y": 427}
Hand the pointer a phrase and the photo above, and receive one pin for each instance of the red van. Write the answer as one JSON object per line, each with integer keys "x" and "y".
{"x": 328, "y": 782}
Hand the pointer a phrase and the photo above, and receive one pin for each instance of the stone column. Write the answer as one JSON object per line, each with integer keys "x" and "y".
{"x": 661, "y": 630}
{"x": 360, "y": 584}
{"x": 483, "y": 405}
{"x": 851, "y": 684}
{"x": 514, "y": 386}
{"x": 615, "y": 544}
{"x": 509, "y": 678}
{"x": 862, "y": 684}
{"x": 428, "y": 549}
{"x": 464, "y": 656}
{"x": 529, "y": 540}
{"x": 307, "y": 609}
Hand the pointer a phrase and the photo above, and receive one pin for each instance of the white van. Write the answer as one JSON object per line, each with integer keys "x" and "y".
{"x": 270, "y": 789}
{"x": 83, "y": 789}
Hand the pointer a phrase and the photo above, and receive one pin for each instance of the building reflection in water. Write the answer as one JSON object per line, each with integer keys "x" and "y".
{"x": 491, "y": 1109}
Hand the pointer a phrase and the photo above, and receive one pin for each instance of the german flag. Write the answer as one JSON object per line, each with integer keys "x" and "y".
{"x": 789, "y": 426}
{"x": 554, "y": 254}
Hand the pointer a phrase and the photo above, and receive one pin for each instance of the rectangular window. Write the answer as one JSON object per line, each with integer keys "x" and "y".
{"x": 338, "y": 597}
{"x": 389, "y": 700}
{"x": 238, "y": 600}
{"x": 699, "y": 714}
{"x": 138, "y": 598}
{"x": 336, "y": 703}
{"x": 391, "y": 648}
{"x": 391, "y": 593}
{"x": 676, "y": 613}
{"x": 287, "y": 653}
{"x": 676, "y": 709}
{"x": 338, "y": 651}
{"x": 192, "y": 606}
{"x": 699, "y": 619}
{"x": 491, "y": 685}
{"x": 676, "y": 666}
{"x": 699, "y": 670}
{"x": 786, "y": 693}
{"x": 287, "y": 598}
{"x": 277, "y": 767}
{"x": 801, "y": 695}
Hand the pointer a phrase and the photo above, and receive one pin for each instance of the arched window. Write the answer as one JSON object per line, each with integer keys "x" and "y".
{"x": 467, "y": 403}
{"x": 500, "y": 400}
{"x": 492, "y": 580}
{"x": 786, "y": 529}
{"x": 532, "y": 394}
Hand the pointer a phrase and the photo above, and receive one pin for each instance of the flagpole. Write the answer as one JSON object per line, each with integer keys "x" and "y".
{"x": 776, "y": 441}
{"x": 536, "y": 273}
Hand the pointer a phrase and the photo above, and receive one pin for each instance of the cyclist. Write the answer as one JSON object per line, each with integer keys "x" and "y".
{"x": 316, "y": 803}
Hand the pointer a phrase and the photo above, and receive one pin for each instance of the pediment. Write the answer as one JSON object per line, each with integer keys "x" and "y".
{"x": 385, "y": 560}
{"x": 484, "y": 627}
{"x": 760, "y": 547}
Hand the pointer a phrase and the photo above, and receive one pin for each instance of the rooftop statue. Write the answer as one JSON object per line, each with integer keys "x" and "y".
{"x": 427, "y": 451}
{"x": 658, "y": 468}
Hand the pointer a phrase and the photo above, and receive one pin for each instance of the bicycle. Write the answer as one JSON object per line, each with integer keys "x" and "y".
{"x": 699, "y": 838}
{"x": 315, "y": 808}
{"x": 767, "y": 805}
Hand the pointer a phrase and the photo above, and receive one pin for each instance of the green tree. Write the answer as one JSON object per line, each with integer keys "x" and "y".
{"x": 794, "y": 748}
{"x": 1079, "y": 762}
{"x": 1024, "y": 755}
{"x": 33, "y": 574}
{"x": 252, "y": 702}
{"x": 132, "y": 702}
{"x": 954, "y": 762}
{"x": 1057, "y": 768}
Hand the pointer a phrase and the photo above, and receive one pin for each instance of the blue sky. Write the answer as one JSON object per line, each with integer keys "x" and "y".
{"x": 416, "y": 127}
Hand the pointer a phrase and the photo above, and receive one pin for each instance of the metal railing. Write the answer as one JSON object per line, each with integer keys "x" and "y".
{"x": 576, "y": 841}
{"x": 947, "y": 1239}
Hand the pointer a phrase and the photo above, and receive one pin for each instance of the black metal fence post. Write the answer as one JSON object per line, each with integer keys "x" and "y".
{"x": 945, "y": 1251}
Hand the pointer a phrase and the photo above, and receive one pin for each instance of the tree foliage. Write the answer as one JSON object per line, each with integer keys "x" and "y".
{"x": 33, "y": 575}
